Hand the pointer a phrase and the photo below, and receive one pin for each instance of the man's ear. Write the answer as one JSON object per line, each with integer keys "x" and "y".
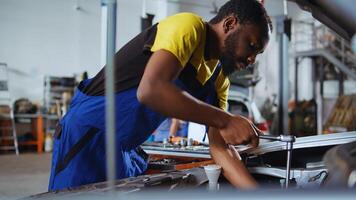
{"x": 230, "y": 23}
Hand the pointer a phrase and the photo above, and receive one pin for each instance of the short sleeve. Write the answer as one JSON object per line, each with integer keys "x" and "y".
{"x": 179, "y": 34}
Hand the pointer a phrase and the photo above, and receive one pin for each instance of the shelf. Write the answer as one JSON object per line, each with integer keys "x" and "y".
{"x": 47, "y": 116}
{"x": 5, "y": 116}
{"x": 29, "y": 143}
{"x": 61, "y": 89}
{"x": 55, "y": 91}
{"x": 37, "y": 130}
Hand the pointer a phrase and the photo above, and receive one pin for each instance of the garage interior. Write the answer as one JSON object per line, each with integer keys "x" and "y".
{"x": 301, "y": 92}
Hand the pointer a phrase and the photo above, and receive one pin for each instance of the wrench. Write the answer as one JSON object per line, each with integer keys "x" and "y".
{"x": 289, "y": 140}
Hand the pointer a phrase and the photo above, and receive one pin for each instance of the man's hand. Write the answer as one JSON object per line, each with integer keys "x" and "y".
{"x": 240, "y": 130}
{"x": 228, "y": 158}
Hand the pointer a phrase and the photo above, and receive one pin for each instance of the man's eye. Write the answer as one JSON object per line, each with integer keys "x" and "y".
{"x": 252, "y": 46}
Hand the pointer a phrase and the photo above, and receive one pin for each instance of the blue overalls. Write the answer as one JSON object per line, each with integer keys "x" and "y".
{"x": 79, "y": 145}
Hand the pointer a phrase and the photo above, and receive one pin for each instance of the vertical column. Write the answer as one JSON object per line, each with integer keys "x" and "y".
{"x": 110, "y": 92}
{"x": 319, "y": 98}
{"x": 283, "y": 33}
{"x": 341, "y": 74}
{"x": 40, "y": 133}
{"x": 296, "y": 79}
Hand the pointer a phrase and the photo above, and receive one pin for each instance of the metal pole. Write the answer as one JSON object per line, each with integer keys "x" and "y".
{"x": 288, "y": 139}
{"x": 285, "y": 82}
{"x": 285, "y": 8}
{"x": 313, "y": 76}
{"x": 296, "y": 78}
{"x": 283, "y": 76}
{"x": 110, "y": 93}
{"x": 319, "y": 96}
{"x": 289, "y": 161}
{"x": 341, "y": 75}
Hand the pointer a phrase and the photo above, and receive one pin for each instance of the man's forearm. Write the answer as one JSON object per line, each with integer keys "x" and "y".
{"x": 158, "y": 92}
{"x": 233, "y": 169}
{"x": 166, "y": 98}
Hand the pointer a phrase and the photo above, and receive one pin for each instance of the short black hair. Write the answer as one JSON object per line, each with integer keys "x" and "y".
{"x": 246, "y": 11}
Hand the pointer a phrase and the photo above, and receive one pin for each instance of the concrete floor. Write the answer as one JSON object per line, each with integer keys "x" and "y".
{"x": 24, "y": 175}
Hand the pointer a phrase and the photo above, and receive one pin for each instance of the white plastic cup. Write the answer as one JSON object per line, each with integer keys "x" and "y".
{"x": 48, "y": 143}
{"x": 213, "y": 173}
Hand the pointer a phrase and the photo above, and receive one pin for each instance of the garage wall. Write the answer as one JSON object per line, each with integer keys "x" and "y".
{"x": 61, "y": 37}
{"x": 41, "y": 37}
{"x": 51, "y": 37}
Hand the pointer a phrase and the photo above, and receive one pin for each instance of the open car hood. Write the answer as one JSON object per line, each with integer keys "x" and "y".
{"x": 339, "y": 15}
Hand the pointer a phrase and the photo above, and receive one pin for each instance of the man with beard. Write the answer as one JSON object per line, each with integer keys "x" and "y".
{"x": 171, "y": 69}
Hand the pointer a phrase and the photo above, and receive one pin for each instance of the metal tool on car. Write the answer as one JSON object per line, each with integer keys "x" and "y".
{"x": 289, "y": 140}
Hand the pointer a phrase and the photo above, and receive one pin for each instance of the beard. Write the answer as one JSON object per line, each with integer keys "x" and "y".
{"x": 227, "y": 64}
{"x": 228, "y": 58}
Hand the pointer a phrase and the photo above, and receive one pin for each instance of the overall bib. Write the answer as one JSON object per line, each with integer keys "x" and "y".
{"x": 79, "y": 143}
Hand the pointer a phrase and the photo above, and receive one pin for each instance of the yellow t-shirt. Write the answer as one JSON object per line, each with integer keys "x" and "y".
{"x": 184, "y": 35}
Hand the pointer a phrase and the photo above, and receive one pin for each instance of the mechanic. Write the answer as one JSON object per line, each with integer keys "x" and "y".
{"x": 177, "y": 68}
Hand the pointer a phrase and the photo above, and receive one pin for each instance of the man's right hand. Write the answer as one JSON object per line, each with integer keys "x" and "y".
{"x": 240, "y": 130}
